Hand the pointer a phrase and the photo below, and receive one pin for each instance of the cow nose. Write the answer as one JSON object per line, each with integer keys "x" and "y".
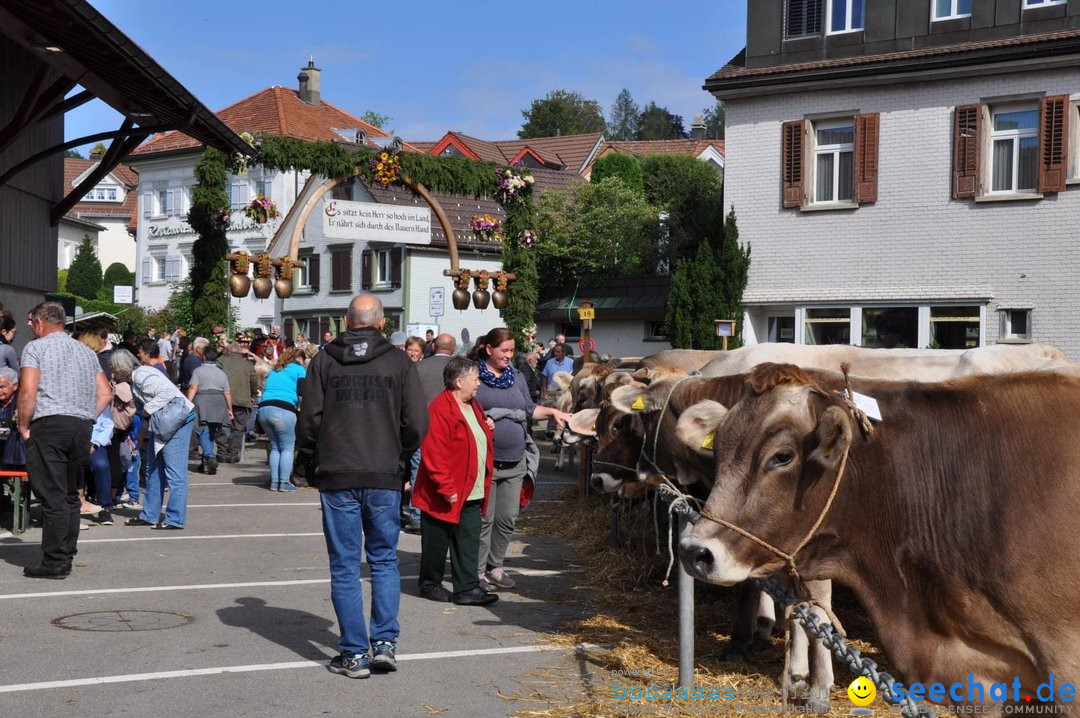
{"x": 701, "y": 558}
{"x": 597, "y": 482}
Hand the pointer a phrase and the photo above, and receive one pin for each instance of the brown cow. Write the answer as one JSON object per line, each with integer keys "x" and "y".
{"x": 952, "y": 521}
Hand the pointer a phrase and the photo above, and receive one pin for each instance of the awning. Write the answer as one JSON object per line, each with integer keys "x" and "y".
{"x": 77, "y": 45}
{"x": 629, "y": 298}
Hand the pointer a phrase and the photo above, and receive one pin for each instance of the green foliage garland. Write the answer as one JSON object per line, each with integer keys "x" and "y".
{"x": 441, "y": 175}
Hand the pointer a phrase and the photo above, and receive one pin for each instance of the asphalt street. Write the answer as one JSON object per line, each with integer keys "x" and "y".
{"x": 232, "y": 617}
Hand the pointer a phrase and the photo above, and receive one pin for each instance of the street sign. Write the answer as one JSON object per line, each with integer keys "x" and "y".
{"x": 586, "y": 313}
{"x": 587, "y": 344}
{"x": 465, "y": 336}
{"x": 436, "y": 301}
{"x": 123, "y": 295}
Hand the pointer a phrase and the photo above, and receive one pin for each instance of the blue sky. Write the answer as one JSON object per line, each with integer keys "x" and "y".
{"x": 435, "y": 66}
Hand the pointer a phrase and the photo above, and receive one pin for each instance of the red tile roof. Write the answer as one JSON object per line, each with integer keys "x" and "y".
{"x": 736, "y": 69}
{"x": 566, "y": 151}
{"x": 641, "y": 148}
{"x": 277, "y": 111}
{"x": 128, "y": 176}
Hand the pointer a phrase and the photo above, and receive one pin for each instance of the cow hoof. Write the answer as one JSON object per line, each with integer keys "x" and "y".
{"x": 734, "y": 654}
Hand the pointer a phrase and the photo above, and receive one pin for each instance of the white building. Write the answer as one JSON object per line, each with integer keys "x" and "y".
{"x": 912, "y": 181}
{"x": 106, "y": 213}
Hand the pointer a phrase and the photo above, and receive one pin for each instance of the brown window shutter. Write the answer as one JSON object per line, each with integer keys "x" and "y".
{"x": 967, "y": 143}
{"x": 1053, "y": 143}
{"x": 289, "y": 329}
{"x": 313, "y": 271}
{"x": 365, "y": 269}
{"x": 867, "y": 134}
{"x": 395, "y": 267}
{"x": 794, "y": 149}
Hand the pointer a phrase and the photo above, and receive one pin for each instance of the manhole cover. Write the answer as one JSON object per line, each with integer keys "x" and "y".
{"x": 123, "y": 621}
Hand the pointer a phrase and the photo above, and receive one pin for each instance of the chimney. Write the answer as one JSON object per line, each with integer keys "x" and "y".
{"x": 310, "y": 83}
{"x": 697, "y": 127}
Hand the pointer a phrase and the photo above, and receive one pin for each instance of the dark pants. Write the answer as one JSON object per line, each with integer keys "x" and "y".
{"x": 56, "y": 456}
{"x": 463, "y": 541}
{"x": 231, "y": 436}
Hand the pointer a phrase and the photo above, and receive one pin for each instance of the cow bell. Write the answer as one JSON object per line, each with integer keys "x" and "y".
{"x": 480, "y": 298}
{"x": 460, "y": 298}
{"x": 499, "y": 300}
{"x": 263, "y": 287}
{"x": 283, "y": 288}
{"x": 239, "y": 285}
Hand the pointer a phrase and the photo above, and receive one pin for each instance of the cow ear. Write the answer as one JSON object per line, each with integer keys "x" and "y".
{"x": 643, "y": 375}
{"x": 563, "y": 379}
{"x": 697, "y": 426}
{"x": 583, "y": 423}
{"x": 631, "y": 398}
{"x": 834, "y": 437}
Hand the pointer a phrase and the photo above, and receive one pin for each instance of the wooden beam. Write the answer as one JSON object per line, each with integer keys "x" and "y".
{"x": 118, "y": 149}
{"x": 37, "y": 103}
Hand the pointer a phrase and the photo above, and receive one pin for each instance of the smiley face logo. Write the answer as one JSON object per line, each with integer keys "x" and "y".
{"x": 861, "y": 691}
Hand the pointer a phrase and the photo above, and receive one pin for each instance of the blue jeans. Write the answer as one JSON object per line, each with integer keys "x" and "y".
{"x": 170, "y": 465}
{"x": 207, "y": 439}
{"x": 100, "y": 468}
{"x": 280, "y": 427}
{"x": 133, "y": 474}
{"x": 352, "y": 516}
{"x": 414, "y": 467}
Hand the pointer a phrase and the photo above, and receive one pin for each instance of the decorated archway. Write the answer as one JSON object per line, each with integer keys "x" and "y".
{"x": 330, "y": 165}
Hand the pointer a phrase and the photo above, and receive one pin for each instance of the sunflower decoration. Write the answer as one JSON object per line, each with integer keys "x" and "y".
{"x": 242, "y": 263}
{"x": 386, "y": 169}
{"x": 285, "y": 268}
{"x": 263, "y": 265}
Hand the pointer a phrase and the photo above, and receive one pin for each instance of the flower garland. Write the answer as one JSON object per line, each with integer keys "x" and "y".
{"x": 512, "y": 183}
{"x": 386, "y": 169}
{"x": 263, "y": 265}
{"x": 242, "y": 263}
{"x": 485, "y": 226}
{"x": 285, "y": 268}
{"x": 262, "y": 209}
{"x": 528, "y": 238}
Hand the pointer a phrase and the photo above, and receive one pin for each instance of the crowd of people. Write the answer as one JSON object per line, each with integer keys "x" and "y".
{"x": 364, "y": 419}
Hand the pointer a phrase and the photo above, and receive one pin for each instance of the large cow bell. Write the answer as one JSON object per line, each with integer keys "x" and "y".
{"x": 283, "y": 288}
{"x": 460, "y": 298}
{"x": 239, "y": 285}
{"x": 480, "y": 298}
{"x": 263, "y": 287}
{"x": 499, "y": 300}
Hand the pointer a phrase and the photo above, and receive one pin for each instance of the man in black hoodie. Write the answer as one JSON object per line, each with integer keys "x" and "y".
{"x": 363, "y": 408}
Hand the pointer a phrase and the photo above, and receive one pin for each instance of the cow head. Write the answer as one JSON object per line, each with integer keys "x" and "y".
{"x": 587, "y": 387}
{"x": 773, "y": 449}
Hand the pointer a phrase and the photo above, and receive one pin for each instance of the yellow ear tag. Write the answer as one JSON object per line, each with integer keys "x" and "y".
{"x": 639, "y": 404}
{"x": 707, "y": 442}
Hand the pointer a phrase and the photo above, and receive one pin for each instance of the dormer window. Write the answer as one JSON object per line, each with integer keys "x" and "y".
{"x": 845, "y": 16}
{"x": 802, "y": 18}
{"x": 102, "y": 194}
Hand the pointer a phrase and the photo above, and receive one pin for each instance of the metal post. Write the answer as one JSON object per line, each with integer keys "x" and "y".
{"x": 686, "y": 615}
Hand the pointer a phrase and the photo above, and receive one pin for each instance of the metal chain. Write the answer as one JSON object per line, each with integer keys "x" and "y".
{"x": 847, "y": 654}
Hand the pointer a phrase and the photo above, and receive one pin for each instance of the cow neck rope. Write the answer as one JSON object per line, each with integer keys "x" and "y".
{"x": 790, "y": 558}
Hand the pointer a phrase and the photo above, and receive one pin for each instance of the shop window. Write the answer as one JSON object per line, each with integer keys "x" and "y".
{"x": 828, "y": 326}
{"x": 890, "y": 327}
{"x": 954, "y": 328}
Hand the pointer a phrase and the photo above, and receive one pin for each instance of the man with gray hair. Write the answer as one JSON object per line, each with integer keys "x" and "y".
{"x": 192, "y": 361}
{"x": 62, "y": 390}
{"x": 12, "y": 452}
{"x": 363, "y": 412}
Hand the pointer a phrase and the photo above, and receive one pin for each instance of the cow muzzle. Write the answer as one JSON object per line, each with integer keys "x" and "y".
{"x": 604, "y": 483}
{"x": 710, "y": 560}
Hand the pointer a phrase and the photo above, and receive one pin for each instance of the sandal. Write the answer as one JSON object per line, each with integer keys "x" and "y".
{"x": 136, "y": 521}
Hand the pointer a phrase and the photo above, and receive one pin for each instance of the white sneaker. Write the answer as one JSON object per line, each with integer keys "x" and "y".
{"x": 499, "y": 578}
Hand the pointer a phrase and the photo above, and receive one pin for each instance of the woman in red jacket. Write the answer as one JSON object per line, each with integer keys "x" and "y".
{"x": 452, "y": 486}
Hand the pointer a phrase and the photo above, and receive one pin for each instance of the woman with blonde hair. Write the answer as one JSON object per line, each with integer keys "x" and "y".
{"x": 277, "y": 414}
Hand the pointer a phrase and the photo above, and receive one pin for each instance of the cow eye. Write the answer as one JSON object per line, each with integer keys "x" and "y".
{"x": 781, "y": 459}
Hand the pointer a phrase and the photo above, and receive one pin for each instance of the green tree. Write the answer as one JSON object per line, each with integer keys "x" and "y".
{"x": 74, "y": 154}
{"x": 692, "y": 193}
{"x": 99, "y": 150}
{"x": 706, "y": 287}
{"x": 562, "y": 112}
{"x": 116, "y": 274}
{"x": 626, "y": 167}
{"x": 714, "y": 121}
{"x": 595, "y": 231}
{"x": 84, "y": 274}
{"x": 657, "y": 123}
{"x": 61, "y": 280}
{"x": 375, "y": 118}
{"x": 623, "y": 120}
{"x": 209, "y": 285}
